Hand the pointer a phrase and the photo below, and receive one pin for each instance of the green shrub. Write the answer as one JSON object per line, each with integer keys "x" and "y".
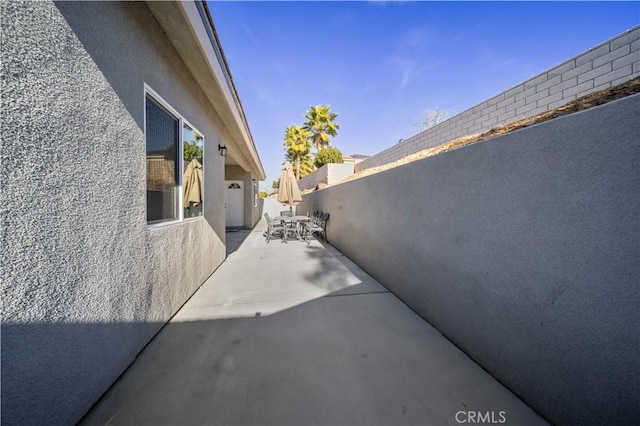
{"x": 328, "y": 155}
{"x": 192, "y": 151}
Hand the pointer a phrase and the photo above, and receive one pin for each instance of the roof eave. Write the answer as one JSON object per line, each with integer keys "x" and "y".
{"x": 189, "y": 27}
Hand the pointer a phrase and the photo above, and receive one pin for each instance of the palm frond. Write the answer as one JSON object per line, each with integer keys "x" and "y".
{"x": 320, "y": 123}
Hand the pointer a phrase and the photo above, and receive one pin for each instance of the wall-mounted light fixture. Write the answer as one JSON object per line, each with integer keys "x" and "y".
{"x": 223, "y": 150}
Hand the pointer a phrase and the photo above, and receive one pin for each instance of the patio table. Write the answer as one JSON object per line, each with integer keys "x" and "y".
{"x": 290, "y": 221}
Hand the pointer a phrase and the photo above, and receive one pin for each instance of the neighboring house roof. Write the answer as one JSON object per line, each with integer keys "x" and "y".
{"x": 355, "y": 158}
{"x": 190, "y": 28}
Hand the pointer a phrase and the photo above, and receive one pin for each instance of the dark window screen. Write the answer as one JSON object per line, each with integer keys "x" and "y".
{"x": 162, "y": 131}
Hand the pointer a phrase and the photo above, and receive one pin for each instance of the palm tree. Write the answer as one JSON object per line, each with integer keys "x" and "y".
{"x": 320, "y": 124}
{"x": 297, "y": 145}
{"x": 306, "y": 164}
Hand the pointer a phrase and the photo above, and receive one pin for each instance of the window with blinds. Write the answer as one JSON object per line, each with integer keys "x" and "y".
{"x": 163, "y": 141}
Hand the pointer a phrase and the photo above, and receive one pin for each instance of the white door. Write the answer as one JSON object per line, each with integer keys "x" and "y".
{"x": 234, "y": 202}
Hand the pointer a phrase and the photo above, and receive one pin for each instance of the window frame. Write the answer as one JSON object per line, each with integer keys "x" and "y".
{"x": 254, "y": 184}
{"x": 149, "y": 92}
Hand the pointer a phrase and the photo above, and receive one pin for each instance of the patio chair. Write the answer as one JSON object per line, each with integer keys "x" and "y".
{"x": 286, "y": 213}
{"x": 316, "y": 216}
{"x": 291, "y": 230}
{"x": 319, "y": 226}
{"x": 274, "y": 227}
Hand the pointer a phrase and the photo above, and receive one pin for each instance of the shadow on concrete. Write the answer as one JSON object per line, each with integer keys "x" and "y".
{"x": 297, "y": 334}
{"x": 359, "y": 359}
{"x": 31, "y": 391}
{"x": 234, "y": 238}
{"x": 286, "y": 334}
{"x": 337, "y": 273}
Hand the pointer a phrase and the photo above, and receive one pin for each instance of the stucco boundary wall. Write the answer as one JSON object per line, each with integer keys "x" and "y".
{"x": 327, "y": 174}
{"x": 608, "y": 64}
{"x": 523, "y": 251}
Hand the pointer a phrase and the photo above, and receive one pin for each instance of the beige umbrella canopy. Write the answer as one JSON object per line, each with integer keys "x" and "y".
{"x": 192, "y": 181}
{"x": 288, "y": 193}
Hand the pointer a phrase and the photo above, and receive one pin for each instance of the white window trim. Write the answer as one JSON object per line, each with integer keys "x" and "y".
{"x": 148, "y": 91}
{"x": 183, "y": 122}
{"x": 254, "y": 185}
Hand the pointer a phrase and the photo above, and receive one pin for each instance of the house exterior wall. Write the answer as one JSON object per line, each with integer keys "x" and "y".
{"x": 252, "y": 209}
{"x": 522, "y": 250}
{"x": 606, "y": 65}
{"x": 86, "y": 283}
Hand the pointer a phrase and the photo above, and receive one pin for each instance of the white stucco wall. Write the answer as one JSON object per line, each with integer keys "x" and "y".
{"x": 85, "y": 283}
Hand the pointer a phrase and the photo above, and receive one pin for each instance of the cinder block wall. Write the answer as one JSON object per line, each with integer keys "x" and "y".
{"x": 329, "y": 173}
{"x": 523, "y": 250}
{"x": 337, "y": 172}
{"x": 310, "y": 181}
{"x": 606, "y": 65}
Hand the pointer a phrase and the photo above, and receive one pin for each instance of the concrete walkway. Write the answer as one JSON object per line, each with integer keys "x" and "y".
{"x": 297, "y": 334}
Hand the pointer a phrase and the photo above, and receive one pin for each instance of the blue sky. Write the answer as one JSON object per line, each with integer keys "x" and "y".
{"x": 380, "y": 65}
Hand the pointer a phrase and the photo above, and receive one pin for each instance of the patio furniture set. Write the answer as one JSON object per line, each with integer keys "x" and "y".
{"x": 288, "y": 226}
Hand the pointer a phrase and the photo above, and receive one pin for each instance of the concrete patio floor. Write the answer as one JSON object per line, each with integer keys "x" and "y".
{"x": 297, "y": 334}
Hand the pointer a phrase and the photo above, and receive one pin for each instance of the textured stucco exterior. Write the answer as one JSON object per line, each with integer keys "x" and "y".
{"x": 85, "y": 282}
{"x": 523, "y": 250}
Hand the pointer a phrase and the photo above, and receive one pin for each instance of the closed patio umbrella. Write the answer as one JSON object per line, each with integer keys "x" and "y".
{"x": 192, "y": 181}
{"x": 288, "y": 193}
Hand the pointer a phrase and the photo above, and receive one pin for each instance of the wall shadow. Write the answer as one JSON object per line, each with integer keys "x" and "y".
{"x": 362, "y": 359}
{"x": 32, "y": 383}
{"x": 234, "y": 238}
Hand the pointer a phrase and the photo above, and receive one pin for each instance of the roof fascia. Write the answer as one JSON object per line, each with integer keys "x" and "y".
{"x": 189, "y": 27}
